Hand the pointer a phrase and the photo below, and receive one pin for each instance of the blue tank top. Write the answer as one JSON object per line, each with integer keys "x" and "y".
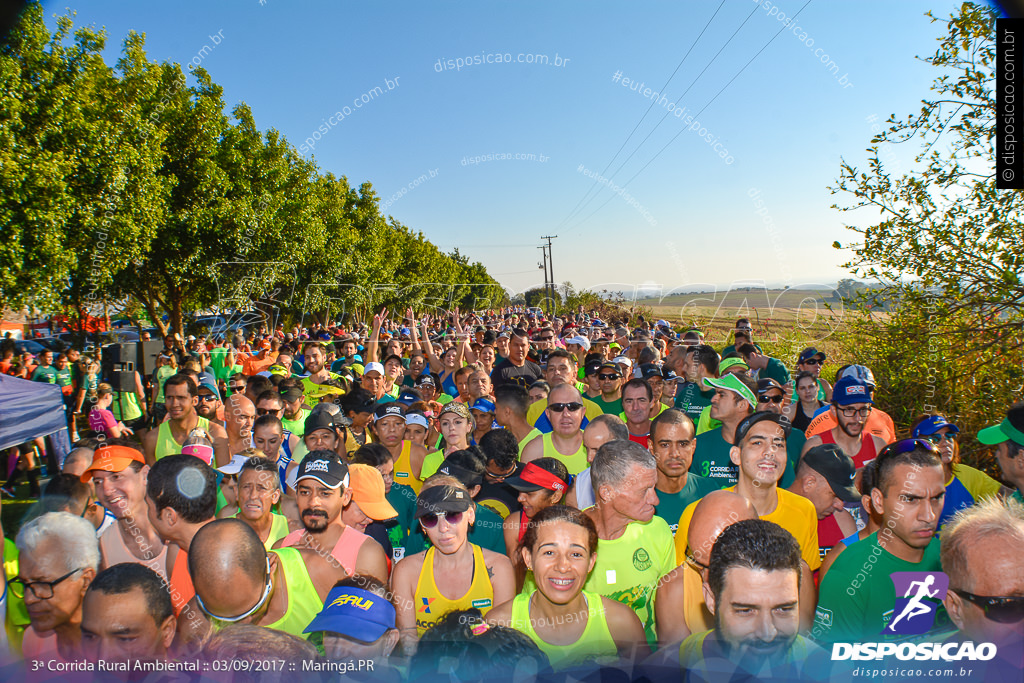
{"x": 284, "y": 460}
{"x": 448, "y": 385}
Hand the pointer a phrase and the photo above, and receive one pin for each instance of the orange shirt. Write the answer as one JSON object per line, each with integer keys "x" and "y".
{"x": 253, "y": 364}
{"x": 879, "y": 423}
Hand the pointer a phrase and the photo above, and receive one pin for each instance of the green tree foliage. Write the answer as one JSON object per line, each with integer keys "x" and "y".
{"x": 133, "y": 185}
{"x": 947, "y": 246}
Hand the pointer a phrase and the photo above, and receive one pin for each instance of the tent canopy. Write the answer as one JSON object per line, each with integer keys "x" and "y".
{"x": 29, "y": 410}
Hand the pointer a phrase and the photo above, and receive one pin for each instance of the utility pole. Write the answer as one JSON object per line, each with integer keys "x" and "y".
{"x": 544, "y": 265}
{"x": 551, "y": 263}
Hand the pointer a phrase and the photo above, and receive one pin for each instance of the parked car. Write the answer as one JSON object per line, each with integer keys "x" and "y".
{"x": 54, "y": 343}
{"x": 28, "y": 346}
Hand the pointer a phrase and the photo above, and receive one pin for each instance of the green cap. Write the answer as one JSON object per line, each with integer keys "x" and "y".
{"x": 733, "y": 383}
{"x": 731, "y": 363}
{"x": 1005, "y": 430}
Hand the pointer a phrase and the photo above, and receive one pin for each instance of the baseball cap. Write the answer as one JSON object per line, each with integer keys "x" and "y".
{"x": 483, "y": 405}
{"x": 592, "y": 367}
{"x": 112, "y": 459}
{"x": 331, "y": 472}
{"x": 390, "y": 409}
{"x": 292, "y": 393}
{"x": 407, "y": 398}
{"x": 734, "y": 384}
{"x": 932, "y": 424}
{"x": 370, "y": 367}
{"x": 354, "y": 613}
{"x": 415, "y": 418}
{"x": 1010, "y": 428}
{"x": 668, "y": 374}
{"x": 425, "y": 379}
{"x": 766, "y": 384}
{"x": 861, "y": 372}
{"x": 441, "y": 499}
{"x": 199, "y": 450}
{"x": 319, "y": 419}
{"x": 648, "y": 370}
{"x": 764, "y": 416}
{"x": 811, "y": 352}
{"x": 731, "y": 363}
{"x": 533, "y": 477}
{"x": 468, "y": 478}
{"x": 265, "y": 344}
{"x": 207, "y": 381}
{"x": 849, "y": 390}
{"x": 837, "y": 467}
{"x": 609, "y": 365}
{"x": 459, "y": 409}
{"x": 367, "y": 487}
{"x": 581, "y": 340}
{"x": 235, "y": 466}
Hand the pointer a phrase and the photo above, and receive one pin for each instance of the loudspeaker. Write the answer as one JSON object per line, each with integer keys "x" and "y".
{"x": 117, "y": 368}
{"x": 147, "y": 352}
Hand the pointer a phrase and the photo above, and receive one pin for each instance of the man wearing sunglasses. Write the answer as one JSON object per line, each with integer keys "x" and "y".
{"x": 209, "y": 405}
{"x": 609, "y": 378}
{"x": 58, "y": 557}
{"x": 771, "y": 397}
{"x": 812, "y": 360}
{"x": 852, "y": 404}
{"x": 856, "y": 604}
{"x": 181, "y": 398}
{"x": 565, "y": 442}
{"x": 237, "y": 581}
{"x": 981, "y": 553}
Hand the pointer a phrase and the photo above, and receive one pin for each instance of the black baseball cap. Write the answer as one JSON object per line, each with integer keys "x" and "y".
{"x": 766, "y": 384}
{"x": 441, "y": 499}
{"x": 836, "y": 467}
{"x": 390, "y": 409}
{"x": 750, "y": 420}
{"x": 467, "y": 478}
{"x": 331, "y": 472}
{"x": 648, "y": 370}
{"x": 319, "y": 419}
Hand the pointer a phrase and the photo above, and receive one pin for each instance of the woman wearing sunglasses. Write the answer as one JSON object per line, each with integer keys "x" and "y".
{"x": 453, "y": 574}
{"x": 802, "y": 411}
{"x": 965, "y": 485}
{"x": 571, "y": 626}
{"x": 541, "y": 484}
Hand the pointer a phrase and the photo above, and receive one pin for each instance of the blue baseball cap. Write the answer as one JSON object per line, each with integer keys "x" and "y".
{"x": 483, "y": 405}
{"x": 354, "y": 613}
{"x": 849, "y": 390}
{"x": 407, "y": 398}
{"x": 932, "y": 424}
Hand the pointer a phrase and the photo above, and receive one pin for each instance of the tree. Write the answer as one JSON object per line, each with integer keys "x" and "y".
{"x": 946, "y": 237}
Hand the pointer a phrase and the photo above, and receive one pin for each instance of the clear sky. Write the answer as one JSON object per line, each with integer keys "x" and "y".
{"x": 686, "y": 215}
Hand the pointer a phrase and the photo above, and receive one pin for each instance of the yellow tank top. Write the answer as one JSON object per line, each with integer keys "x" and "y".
{"x": 165, "y": 443}
{"x": 595, "y": 645}
{"x": 304, "y": 602}
{"x": 431, "y": 605}
{"x": 575, "y": 463}
{"x": 278, "y": 529}
{"x": 403, "y": 469}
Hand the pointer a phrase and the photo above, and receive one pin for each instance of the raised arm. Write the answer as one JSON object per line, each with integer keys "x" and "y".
{"x": 428, "y": 347}
{"x": 371, "y": 346}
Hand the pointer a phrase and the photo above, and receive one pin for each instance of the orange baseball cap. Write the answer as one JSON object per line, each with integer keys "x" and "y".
{"x": 112, "y": 459}
{"x": 367, "y": 487}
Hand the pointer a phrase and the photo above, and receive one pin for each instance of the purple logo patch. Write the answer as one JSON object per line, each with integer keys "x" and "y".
{"x": 918, "y": 595}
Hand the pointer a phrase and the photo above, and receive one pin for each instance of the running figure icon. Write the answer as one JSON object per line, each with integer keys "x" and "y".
{"x": 915, "y": 607}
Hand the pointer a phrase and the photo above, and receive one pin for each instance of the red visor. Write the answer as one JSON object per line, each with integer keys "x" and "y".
{"x": 541, "y": 477}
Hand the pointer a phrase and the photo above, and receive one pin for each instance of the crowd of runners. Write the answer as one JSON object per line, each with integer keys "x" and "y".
{"x": 498, "y": 495}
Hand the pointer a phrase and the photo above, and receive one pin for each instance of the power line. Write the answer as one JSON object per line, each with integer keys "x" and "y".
{"x": 658, "y": 153}
{"x": 623, "y": 145}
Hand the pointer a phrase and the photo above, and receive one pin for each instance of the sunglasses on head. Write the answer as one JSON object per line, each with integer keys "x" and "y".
{"x": 1003, "y": 610}
{"x": 906, "y": 446}
{"x": 561, "y": 407}
{"x": 771, "y": 399}
{"x": 429, "y": 521}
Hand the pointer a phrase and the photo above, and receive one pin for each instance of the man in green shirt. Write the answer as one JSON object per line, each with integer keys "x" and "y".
{"x": 672, "y": 444}
{"x": 610, "y": 380}
{"x": 765, "y": 366}
{"x": 857, "y": 600}
{"x": 1008, "y": 436}
{"x": 734, "y": 399}
{"x": 45, "y": 372}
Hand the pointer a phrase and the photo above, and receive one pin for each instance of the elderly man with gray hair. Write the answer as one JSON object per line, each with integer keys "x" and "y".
{"x": 635, "y": 548}
{"x": 58, "y": 556}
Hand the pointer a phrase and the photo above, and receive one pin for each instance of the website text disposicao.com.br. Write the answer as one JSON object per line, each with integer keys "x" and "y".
{"x": 460, "y": 63}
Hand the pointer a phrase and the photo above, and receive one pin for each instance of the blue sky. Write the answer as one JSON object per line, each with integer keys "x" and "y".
{"x": 689, "y": 217}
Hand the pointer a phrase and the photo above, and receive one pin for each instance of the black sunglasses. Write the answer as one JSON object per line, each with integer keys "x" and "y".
{"x": 814, "y": 361}
{"x": 606, "y": 376}
{"x": 1003, "y": 610}
{"x": 771, "y": 399}
{"x": 560, "y": 407}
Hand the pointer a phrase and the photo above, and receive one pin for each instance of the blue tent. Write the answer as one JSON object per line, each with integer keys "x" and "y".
{"x": 29, "y": 410}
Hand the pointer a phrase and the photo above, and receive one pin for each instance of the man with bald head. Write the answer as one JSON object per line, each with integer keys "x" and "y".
{"x": 181, "y": 395}
{"x": 679, "y": 607}
{"x": 565, "y": 442}
{"x": 78, "y": 461}
{"x": 239, "y": 417}
{"x": 238, "y": 581}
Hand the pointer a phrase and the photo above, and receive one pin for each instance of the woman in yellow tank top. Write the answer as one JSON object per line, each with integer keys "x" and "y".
{"x": 453, "y": 574}
{"x": 572, "y": 626}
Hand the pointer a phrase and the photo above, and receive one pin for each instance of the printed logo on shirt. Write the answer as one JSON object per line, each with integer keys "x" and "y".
{"x": 425, "y": 607}
{"x": 482, "y": 603}
{"x": 641, "y": 560}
